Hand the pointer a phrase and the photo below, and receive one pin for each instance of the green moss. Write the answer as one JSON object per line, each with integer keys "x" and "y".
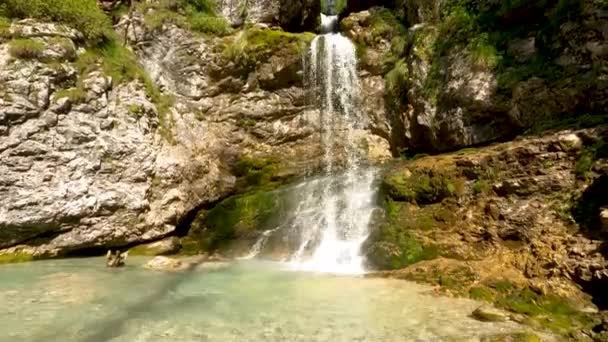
{"x": 481, "y": 293}
{"x": 17, "y": 257}
{"x": 253, "y": 46}
{"x": 549, "y": 311}
{"x": 83, "y": 15}
{"x": 396, "y": 245}
{"x": 233, "y": 217}
{"x": 259, "y": 172}
{"x": 588, "y": 157}
{"x": 422, "y": 186}
{"x": 25, "y": 49}
{"x": 480, "y": 186}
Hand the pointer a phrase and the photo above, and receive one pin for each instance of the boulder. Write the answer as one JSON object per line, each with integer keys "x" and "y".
{"x": 486, "y": 313}
{"x": 161, "y": 263}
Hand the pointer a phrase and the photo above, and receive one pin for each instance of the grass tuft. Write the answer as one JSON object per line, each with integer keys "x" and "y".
{"x": 25, "y": 49}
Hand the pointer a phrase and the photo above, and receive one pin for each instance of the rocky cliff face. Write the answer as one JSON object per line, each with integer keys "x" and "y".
{"x": 527, "y": 213}
{"x": 93, "y": 159}
{"x": 464, "y": 73}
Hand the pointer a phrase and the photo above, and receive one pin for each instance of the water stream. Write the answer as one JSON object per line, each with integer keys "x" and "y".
{"x": 80, "y": 300}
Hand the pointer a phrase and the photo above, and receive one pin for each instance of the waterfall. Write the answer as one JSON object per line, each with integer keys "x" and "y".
{"x": 329, "y": 215}
{"x": 333, "y": 220}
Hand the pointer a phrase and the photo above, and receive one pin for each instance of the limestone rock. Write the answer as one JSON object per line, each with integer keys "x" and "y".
{"x": 88, "y": 161}
{"x": 292, "y": 15}
{"x": 486, "y": 313}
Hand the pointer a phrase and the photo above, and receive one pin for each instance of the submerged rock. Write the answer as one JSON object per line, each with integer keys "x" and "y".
{"x": 198, "y": 263}
{"x": 486, "y": 313}
{"x": 161, "y": 263}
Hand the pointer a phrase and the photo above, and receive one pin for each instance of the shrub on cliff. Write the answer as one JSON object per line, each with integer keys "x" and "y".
{"x": 25, "y": 49}
{"x": 83, "y": 15}
{"x": 195, "y": 15}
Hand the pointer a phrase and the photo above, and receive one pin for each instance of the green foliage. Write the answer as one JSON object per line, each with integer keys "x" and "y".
{"x": 483, "y": 53}
{"x": 25, "y": 49}
{"x": 480, "y": 186}
{"x": 383, "y": 23}
{"x": 588, "y": 157}
{"x": 76, "y": 94}
{"x": 83, "y": 15}
{"x": 333, "y": 7}
{"x": 194, "y": 15}
{"x": 209, "y": 24}
{"x": 396, "y": 81}
{"x": 255, "y": 45}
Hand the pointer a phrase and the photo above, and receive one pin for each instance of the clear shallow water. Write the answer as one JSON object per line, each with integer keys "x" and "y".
{"x": 82, "y": 300}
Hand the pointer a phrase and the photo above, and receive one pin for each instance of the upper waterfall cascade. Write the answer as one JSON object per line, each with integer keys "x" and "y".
{"x": 336, "y": 216}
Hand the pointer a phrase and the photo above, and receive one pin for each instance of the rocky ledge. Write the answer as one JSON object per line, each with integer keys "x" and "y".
{"x": 519, "y": 224}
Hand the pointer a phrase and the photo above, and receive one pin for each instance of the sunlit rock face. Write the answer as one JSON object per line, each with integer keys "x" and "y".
{"x": 111, "y": 166}
{"x": 292, "y": 15}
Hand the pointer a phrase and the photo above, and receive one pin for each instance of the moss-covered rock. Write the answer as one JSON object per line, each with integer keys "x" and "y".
{"x": 421, "y": 186}
{"x": 395, "y": 244}
{"x": 16, "y": 257}
{"x": 234, "y": 217}
{"x": 256, "y": 172}
{"x": 255, "y": 46}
